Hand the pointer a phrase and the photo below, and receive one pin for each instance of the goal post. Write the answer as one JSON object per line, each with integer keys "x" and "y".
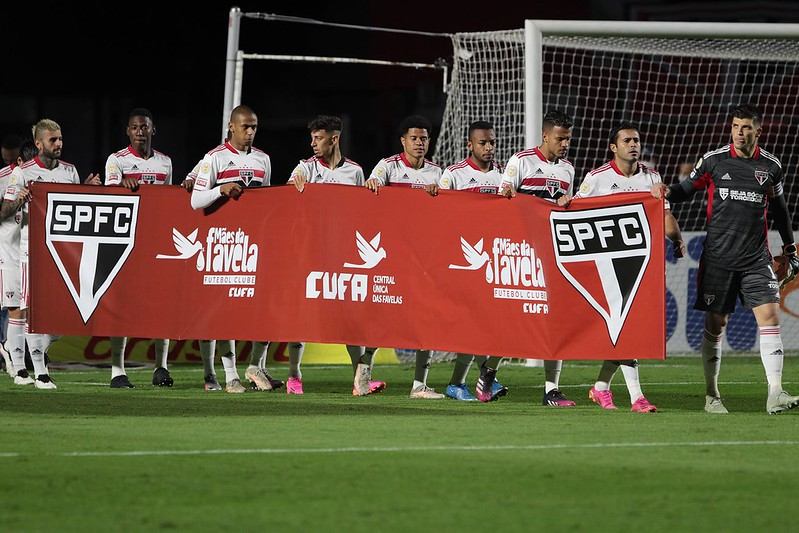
{"x": 677, "y": 81}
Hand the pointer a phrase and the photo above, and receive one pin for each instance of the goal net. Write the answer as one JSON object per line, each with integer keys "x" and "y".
{"x": 679, "y": 91}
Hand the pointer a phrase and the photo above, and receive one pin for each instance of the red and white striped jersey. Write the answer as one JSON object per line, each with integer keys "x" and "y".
{"x": 397, "y": 171}
{"x": 608, "y": 179}
{"x": 225, "y": 164}
{"x": 127, "y": 163}
{"x": 316, "y": 170}
{"x": 9, "y": 228}
{"x": 34, "y": 170}
{"x": 530, "y": 172}
{"x": 467, "y": 176}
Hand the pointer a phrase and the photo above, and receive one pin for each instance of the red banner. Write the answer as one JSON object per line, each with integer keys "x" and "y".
{"x": 462, "y": 272}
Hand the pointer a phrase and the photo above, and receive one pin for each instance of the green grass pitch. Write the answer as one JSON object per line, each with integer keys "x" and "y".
{"x": 88, "y": 458}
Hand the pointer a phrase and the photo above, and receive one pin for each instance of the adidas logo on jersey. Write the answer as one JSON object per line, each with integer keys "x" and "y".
{"x": 726, "y": 177}
{"x": 472, "y": 180}
{"x": 231, "y": 164}
{"x": 613, "y": 187}
{"x": 537, "y": 172}
{"x": 135, "y": 167}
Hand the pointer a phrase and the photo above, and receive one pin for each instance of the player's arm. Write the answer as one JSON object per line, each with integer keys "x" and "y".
{"x": 378, "y": 177}
{"x": 780, "y": 213}
{"x": 13, "y": 199}
{"x": 698, "y": 180}
{"x": 204, "y": 192}
{"x": 299, "y": 177}
{"x": 447, "y": 180}
{"x": 674, "y": 234}
{"x": 113, "y": 172}
{"x": 432, "y": 188}
{"x": 191, "y": 177}
{"x": 168, "y": 178}
{"x": 510, "y": 178}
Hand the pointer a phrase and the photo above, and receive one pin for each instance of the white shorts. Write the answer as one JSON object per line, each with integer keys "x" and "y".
{"x": 11, "y": 285}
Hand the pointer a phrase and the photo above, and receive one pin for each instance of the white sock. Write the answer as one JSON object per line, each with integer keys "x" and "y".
{"x": 711, "y": 361}
{"x": 296, "y": 349}
{"x": 630, "y": 371}
{"x": 606, "y": 375}
{"x": 207, "y": 352}
{"x": 258, "y": 354}
{"x": 15, "y": 342}
{"x": 771, "y": 354}
{"x": 369, "y": 352}
{"x": 118, "y": 356}
{"x": 355, "y": 353}
{"x": 552, "y": 374}
{"x": 228, "y": 361}
{"x": 37, "y": 345}
{"x": 161, "y": 352}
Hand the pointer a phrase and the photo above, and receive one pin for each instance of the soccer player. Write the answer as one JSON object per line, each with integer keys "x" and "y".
{"x": 545, "y": 172}
{"x": 328, "y": 165}
{"x": 482, "y": 174}
{"x": 138, "y": 164}
{"x": 225, "y": 172}
{"x": 410, "y": 169}
{"x": 625, "y": 173}
{"x": 46, "y": 167}
{"x": 742, "y": 180}
{"x": 10, "y": 278}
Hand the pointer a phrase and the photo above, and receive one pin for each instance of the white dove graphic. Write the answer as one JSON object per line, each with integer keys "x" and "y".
{"x": 186, "y": 246}
{"x": 369, "y": 252}
{"x": 474, "y": 255}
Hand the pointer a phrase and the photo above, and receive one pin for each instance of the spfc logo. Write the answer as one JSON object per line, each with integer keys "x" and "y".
{"x": 761, "y": 176}
{"x": 710, "y": 298}
{"x": 604, "y": 254}
{"x": 90, "y": 236}
{"x": 724, "y": 192}
{"x": 246, "y": 175}
{"x": 552, "y": 186}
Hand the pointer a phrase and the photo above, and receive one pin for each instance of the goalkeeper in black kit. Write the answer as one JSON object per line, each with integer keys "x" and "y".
{"x": 742, "y": 182}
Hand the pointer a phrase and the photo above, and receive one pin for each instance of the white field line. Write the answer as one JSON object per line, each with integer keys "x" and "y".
{"x": 410, "y": 449}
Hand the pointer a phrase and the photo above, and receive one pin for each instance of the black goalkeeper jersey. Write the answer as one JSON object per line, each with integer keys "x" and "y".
{"x": 738, "y": 192}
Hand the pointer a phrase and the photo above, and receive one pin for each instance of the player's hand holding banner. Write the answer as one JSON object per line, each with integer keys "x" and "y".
{"x": 460, "y": 272}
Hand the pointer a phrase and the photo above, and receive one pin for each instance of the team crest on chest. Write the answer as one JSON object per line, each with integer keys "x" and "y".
{"x": 724, "y": 192}
{"x": 246, "y": 175}
{"x": 552, "y": 186}
{"x": 761, "y": 176}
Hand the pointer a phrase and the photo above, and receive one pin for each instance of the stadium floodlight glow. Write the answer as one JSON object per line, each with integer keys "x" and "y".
{"x": 677, "y": 81}
{"x": 234, "y": 69}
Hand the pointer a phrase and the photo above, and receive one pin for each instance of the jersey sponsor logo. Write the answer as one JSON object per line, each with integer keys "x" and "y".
{"x": 512, "y": 270}
{"x": 603, "y": 253}
{"x": 90, "y": 236}
{"x": 356, "y": 287}
{"x": 225, "y": 257}
{"x": 761, "y": 176}
{"x": 741, "y": 196}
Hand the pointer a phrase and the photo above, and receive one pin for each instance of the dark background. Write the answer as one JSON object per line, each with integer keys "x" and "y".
{"x": 86, "y": 64}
